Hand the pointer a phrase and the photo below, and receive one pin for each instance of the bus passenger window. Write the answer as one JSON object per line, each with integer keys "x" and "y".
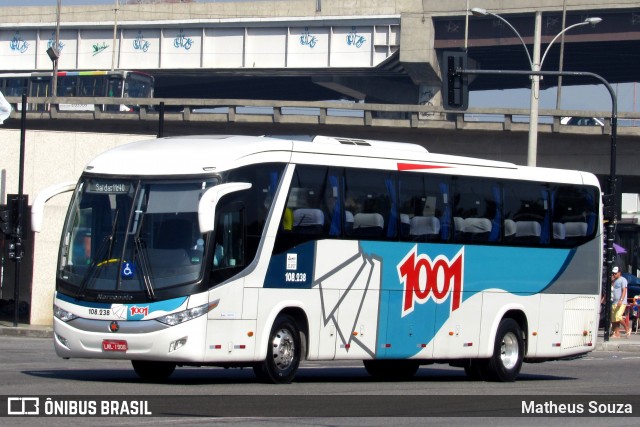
{"x": 256, "y": 202}
{"x": 526, "y": 214}
{"x": 423, "y": 201}
{"x": 574, "y": 215}
{"x": 229, "y": 248}
{"x": 477, "y": 210}
{"x": 373, "y": 203}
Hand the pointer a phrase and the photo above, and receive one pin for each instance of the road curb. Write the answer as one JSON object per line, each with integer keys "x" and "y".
{"x": 27, "y": 331}
{"x": 618, "y": 345}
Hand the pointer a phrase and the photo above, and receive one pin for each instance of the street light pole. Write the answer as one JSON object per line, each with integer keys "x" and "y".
{"x": 54, "y": 82}
{"x": 561, "y": 61}
{"x": 115, "y": 32}
{"x": 536, "y": 65}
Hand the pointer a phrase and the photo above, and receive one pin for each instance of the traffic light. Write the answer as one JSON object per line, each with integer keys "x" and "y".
{"x": 6, "y": 219}
{"x": 608, "y": 206}
{"x": 9, "y": 215}
{"x": 455, "y": 86}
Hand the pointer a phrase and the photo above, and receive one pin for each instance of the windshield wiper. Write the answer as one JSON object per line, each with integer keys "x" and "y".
{"x": 113, "y": 232}
{"x": 141, "y": 254}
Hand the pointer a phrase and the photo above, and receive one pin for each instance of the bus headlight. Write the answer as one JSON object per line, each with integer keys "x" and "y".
{"x": 186, "y": 315}
{"x": 63, "y": 314}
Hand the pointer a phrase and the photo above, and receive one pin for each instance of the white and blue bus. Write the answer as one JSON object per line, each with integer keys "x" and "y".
{"x": 267, "y": 251}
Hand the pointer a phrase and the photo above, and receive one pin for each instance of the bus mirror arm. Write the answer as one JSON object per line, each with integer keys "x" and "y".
{"x": 37, "y": 209}
{"x": 209, "y": 200}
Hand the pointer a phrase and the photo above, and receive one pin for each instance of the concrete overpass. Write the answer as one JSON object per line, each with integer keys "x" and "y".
{"x": 378, "y": 50}
{"x": 491, "y": 133}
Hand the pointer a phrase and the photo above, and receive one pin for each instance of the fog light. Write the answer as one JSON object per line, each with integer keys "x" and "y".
{"x": 62, "y": 340}
{"x": 175, "y": 345}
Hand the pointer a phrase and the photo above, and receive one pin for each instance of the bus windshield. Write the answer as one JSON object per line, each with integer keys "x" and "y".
{"x": 133, "y": 236}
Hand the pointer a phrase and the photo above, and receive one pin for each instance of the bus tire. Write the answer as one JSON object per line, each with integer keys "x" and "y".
{"x": 283, "y": 353}
{"x": 153, "y": 371}
{"x": 508, "y": 352}
{"x": 387, "y": 370}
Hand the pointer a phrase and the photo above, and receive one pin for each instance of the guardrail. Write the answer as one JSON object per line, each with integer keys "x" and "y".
{"x": 316, "y": 113}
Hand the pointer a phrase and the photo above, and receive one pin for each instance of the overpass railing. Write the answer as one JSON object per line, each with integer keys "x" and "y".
{"x": 314, "y": 113}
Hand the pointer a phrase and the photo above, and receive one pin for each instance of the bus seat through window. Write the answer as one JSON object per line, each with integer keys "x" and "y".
{"x": 308, "y": 221}
{"x": 576, "y": 232}
{"x": 405, "y": 225}
{"x": 528, "y": 232}
{"x": 348, "y": 222}
{"x": 476, "y": 229}
{"x": 368, "y": 225}
{"x": 559, "y": 231}
{"x": 575, "y": 229}
{"x": 425, "y": 228}
{"x": 509, "y": 228}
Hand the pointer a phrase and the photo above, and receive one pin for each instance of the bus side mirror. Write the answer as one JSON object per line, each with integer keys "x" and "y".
{"x": 209, "y": 200}
{"x": 37, "y": 209}
{"x": 455, "y": 85}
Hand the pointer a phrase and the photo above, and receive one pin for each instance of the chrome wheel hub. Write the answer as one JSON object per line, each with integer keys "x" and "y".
{"x": 283, "y": 349}
{"x": 509, "y": 350}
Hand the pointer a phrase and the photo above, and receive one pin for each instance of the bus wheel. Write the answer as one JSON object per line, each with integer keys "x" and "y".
{"x": 508, "y": 352}
{"x": 283, "y": 354}
{"x": 153, "y": 371}
{"x": 391, "y": 369}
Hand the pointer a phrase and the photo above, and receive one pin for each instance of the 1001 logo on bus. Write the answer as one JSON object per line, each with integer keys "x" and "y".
{"x": 424, "y": 278}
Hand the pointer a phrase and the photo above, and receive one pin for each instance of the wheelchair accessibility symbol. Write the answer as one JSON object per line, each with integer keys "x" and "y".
{"x": 128, "y": 270}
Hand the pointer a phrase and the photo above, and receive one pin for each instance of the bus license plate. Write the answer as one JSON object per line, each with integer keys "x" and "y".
{"x": 114, "y": 345}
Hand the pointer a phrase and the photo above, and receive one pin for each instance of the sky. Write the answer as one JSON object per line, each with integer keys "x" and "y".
{"x": 591, "y": 98}
{"x": 52, "y": 2}
{"x": 69, "y": 2}
{"x": 588, "y": 97}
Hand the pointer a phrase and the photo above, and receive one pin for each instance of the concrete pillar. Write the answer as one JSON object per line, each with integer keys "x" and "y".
{"x": 418, "y": 57}
{"x": 430, "y": 95}
{"x": 417, "y": 53}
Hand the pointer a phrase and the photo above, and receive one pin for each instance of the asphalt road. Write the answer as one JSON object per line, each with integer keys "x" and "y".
{"x": 327, "y": 393}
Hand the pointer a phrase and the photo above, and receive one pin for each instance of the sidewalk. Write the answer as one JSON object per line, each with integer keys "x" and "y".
{"x": 631, "y": 344}
{"x": 24, "y": 330}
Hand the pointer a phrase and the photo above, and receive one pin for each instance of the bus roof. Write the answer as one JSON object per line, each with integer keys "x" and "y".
{"x": 195, "y": 155}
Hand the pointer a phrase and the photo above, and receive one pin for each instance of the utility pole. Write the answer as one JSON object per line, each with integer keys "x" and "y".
{"x": 561, "y": 62}
{"x": 115, "y": 31}
{"x": 532, "y": 150}
{"x": 56, "y": 47}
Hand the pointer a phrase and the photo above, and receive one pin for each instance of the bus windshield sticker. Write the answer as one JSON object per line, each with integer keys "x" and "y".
{"x": 128, "y": 270}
